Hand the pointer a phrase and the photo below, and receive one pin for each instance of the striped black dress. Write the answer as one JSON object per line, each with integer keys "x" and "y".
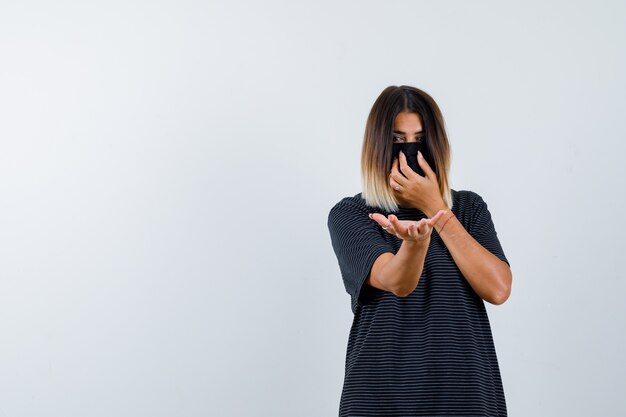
{"x": 432, "y": 352}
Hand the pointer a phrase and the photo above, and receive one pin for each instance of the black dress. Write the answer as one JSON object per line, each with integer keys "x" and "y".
{"x": 432, "y": 352}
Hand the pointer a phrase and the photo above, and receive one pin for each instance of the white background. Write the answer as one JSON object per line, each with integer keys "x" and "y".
{"x": 167, "y": 168}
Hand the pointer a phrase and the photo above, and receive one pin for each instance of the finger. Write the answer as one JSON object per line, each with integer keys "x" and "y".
{"x": 396, "y": 175}
{"x": 394, "y": 185}
{"x": 412, "y": 230}
{"x": 396, "y": 225}
{"x": 436, "y": 217}
{"x": 394, "y": 165}
{"x": 382, "y": 222}
{"x": 380, "y": 219}
{"x": 427, "y": 169}
{"x": 422, "y": 226}
{"x": 404, "y": 166}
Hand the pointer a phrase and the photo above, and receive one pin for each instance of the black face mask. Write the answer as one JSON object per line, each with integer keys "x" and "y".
{"x": 409, "y": 149}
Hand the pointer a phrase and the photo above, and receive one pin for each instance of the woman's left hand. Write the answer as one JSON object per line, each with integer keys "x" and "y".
{"x": 415, "y": 191}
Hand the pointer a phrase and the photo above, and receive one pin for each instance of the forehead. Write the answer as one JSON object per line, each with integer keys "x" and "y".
{"x": 409, "y": 120}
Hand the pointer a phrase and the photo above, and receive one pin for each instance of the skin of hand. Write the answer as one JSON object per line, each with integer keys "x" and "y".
{"x": 416, "y": 191}
{"x": 408, "y": 230}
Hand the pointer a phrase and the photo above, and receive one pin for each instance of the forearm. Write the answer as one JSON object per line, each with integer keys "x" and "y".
{"x": 402, "y": 273}
{"x": 489, "y": 276}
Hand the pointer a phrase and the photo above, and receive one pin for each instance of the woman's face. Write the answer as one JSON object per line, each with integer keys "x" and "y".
{"x": 407, "y": 127}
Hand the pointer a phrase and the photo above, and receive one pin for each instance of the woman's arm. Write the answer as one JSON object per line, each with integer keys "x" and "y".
{"x": 489, "y": 276}
{"x": 400, "y": 273}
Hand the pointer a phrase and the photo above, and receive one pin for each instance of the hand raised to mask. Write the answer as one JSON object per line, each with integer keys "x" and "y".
{"x": 409, "y": 230}
{"x": 412, "y": 189}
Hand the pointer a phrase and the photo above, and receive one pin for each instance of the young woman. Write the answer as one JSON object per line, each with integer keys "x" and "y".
{"x": 420, "y": 342}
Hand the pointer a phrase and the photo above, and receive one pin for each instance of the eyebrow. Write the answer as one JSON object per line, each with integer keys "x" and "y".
{"x": 404, "y": 133}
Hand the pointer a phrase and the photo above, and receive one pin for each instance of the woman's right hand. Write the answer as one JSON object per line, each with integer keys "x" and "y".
{"x": 409, "y": 230}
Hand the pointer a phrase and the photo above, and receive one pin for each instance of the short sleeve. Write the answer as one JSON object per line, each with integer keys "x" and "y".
{"x": 483, "y": 230}
{"x": 357, "y": 241}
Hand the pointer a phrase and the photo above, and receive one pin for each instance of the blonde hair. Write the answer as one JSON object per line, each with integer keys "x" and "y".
{"x": 376, "y": 152}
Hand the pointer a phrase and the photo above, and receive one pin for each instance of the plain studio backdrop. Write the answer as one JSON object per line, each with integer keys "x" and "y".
{"x": 167, "y": 169}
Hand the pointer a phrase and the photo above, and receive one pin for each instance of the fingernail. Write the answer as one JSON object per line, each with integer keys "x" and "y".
{"x": 369, "y": 215}
{"x": 419, "y": 154}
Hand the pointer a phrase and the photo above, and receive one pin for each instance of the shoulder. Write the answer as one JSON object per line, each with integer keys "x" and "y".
{"x": 350, "y": 213}
{"x": 465, "y": 201}
{"x": 468, "y": 206}
{"x": 354, "y": 204}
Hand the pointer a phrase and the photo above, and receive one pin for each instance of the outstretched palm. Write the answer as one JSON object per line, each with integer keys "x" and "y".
{"x": 411, "y": 230}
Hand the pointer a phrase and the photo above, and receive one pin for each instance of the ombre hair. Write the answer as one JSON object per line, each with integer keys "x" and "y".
{"x": 376, "y": 153}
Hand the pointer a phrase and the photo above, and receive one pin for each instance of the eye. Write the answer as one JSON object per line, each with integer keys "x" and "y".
{"x": 398, "y": 138}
